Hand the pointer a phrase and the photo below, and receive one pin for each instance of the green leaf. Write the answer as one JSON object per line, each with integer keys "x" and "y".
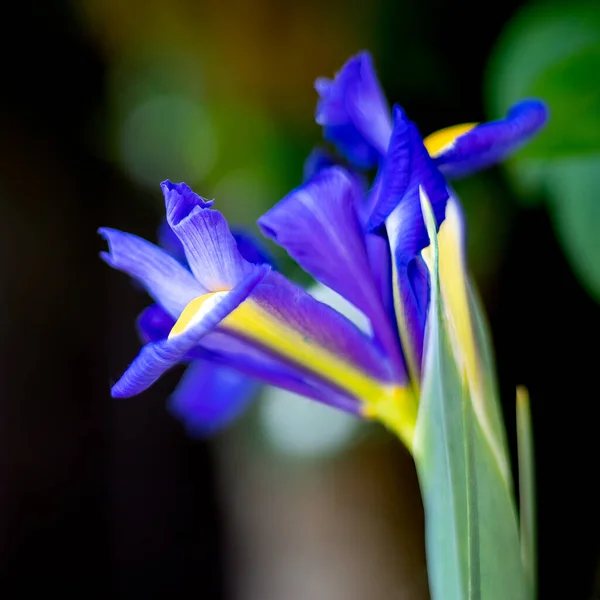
{"x": 483, "y": 344}
{"x": 573, "y": 189}
{"x": 570, "y": 86}
{"x": 527, "y": 489}
{"x": 473, "y": 547}
{"x": 551, "y": 50}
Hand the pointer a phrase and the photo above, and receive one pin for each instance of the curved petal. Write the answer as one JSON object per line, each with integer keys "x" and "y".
{"x": 157, "y": 357}
{"x": 411, "y": 299}
{"x": 248, "y": 245}
{"x": 251, "y": 248}
{"x": 154, "y": 324}
{"x": 288, "y": 321}
{"x": 407, "y": 166}
{"x": 318, "y": 225}
{"x": 354, "y": 113}
{"x": 406, "y": 169}
{"x": 209, "y": 396}
{"x": 211, "y": 250}
{"x": 166, "y": 280}
{"x": 222, "y": 349}
{"x": 180, "y": 199}
{"x": 317, "y": 160}
{"x": 462, "y": 150}
{"x": 170, "y": 242}
{"x": 252, "y": 358}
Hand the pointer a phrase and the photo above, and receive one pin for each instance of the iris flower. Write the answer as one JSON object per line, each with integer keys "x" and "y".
{"x": 232, "y": 316}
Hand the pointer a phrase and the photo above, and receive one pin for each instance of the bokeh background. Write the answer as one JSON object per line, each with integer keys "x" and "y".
{"x": 101, "y": 100}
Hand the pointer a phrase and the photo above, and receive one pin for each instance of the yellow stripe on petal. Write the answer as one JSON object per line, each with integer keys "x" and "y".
{"x": 414, "y": 368}
{"x": 440, "y": 141}
{"x": 454, "y": 290}
{"x": 195, "y": 311}
{"x": 398, "y": 412}
{"x": 453, "y": 283}
{"x": 393, "y": 405}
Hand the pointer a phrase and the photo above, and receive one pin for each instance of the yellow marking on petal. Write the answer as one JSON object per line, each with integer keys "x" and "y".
{"x": 253, "y": 322}
{"x": 393, "y": 405}
{"x": 414, "y": 368}
{"x": 453, "y": 283}
{"x": 440, "y": 141}
{"x": 195, "y": 310}
{"x": 454, "y": 291}
{"x": 398, "y": 413}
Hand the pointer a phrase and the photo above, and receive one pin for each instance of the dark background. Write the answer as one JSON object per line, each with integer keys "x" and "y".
{"x": 109, "y": 498}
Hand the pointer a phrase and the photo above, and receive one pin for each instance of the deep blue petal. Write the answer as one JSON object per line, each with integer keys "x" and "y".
{"x": 157, "y": 357}
{"x": 166, "y": 280}
{"x": 180, "y": 200}
{"x": 395, "y": 198}
{"x": 316, "y": 161}
{"x": 211, "y": 251}
{"x": 322, "y": 326}
{"x": 252, "y": 249}
{"x": 252, "y": 359}
{"x": 222, "y": 349}
{"x": 170, "y": 242}
{"x": 354, "y": 113}
{"x": 319, "y": 227}
{"x": 154, "y": 324}
{"x": 209, "y": 396}
{"x": 492, "y": 142}
{"x": 413, "y": 286}
{"x": 406, "y": 166}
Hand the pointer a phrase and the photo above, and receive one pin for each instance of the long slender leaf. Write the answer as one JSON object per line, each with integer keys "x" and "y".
{"x": 527, "y": 489}
{"x": 473, "y": 547}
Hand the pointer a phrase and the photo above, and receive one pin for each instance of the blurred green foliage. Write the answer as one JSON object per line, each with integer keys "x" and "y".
{"x": 551, "y": 50}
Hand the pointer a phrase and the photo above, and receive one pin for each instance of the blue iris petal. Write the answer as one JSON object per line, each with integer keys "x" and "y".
{"x": 407, "y": 166}
{"x": 210, "y": 249}
{"x": 492, "y": 142}
{"x": 354, "y": 113}
{"x": 210, "y": 396}
{"x": 156, "y": 358}
{"x": 316, "y": 161}
{"x": 252, "y": 249}
{"x": 319, "y": 227}
{"x": 166, "y": 280}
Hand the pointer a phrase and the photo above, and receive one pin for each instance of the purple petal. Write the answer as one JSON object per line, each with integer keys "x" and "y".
{"x": 166, "y": 280}
{"x": 318, "y": 226}
{"x": 211, "y": 250}
{"x": 154, "y": 324}
{"x": 492, "y": 142}
{"x": 170, "y": 242}
{"x": 316, "y": 161}
{"x": 322, "y": 326}
{"x": 250, "y": 357}
{"x": 354, "y": 113}
{"x": 210, "y": 396}
{"x": 406, "y": 167}
{"x": 157, "y": 357}
{"x": 180, "y": 200}
{"x": 256, "y": 361}
{"x": 251, "y": 248}
{"x": 412, "y": 283}
{"x": 378, "y": 250}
